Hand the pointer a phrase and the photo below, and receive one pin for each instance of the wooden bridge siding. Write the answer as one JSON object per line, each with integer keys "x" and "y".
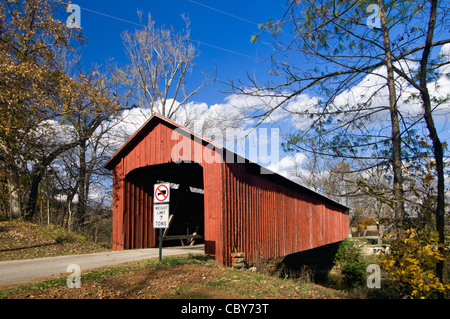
{"x": 118, "y": 206}
{"x": 138, "y": 213}
{"x": 243, "y": 211}
{"x": 213, "y": 210}
{"x": 268, "y": 220}
{"x": 133, "y": 198}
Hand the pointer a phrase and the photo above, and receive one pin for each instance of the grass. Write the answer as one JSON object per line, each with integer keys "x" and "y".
{"x": 189, "y": 259}
{"x": 238, "y": 283}
{"x": 98, "y": 275}
{"x": 256, "y": 285}
{"x": 20, "y": 240}
{"x": 24, "y": 240}
{"x": 228, "y": 283}
{"x": 102, "y": 274}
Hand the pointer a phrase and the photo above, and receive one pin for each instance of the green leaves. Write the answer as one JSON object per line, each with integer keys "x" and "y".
{"x": 254, "y": 38}
{"x": 350, "y": 260}
{"x": 270, "y": 26}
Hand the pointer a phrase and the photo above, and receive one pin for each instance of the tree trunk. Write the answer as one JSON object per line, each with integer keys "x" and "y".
{"x": 437, "y": 145}
{"x": 36, "y": 179}
{"x": 81, "y": 206}
{"x": 14, "y": 192}
{"x": 48, "y": 210}
{"x": 69, "y": 218}
{"x": 38, "y": 173}
{"x": 396, "y": 158}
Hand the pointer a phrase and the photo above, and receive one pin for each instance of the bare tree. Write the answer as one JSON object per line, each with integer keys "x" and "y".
{"x": 161, "y": 59}
{"x": 95, "y": 104}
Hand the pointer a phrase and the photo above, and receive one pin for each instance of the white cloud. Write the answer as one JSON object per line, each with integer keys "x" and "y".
{"x": 290, "y": 167}
{"x": 373, "y": 88}
{"x": 441, "y": 88}
{"x": 227, "y": 123}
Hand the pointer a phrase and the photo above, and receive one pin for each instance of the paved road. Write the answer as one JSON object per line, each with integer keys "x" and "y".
{"x": 24, "y": 271}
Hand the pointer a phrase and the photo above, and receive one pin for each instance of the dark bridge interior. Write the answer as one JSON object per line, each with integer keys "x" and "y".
{"x": 186, "y": 216}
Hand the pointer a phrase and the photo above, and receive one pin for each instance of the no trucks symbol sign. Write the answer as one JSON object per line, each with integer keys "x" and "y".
{"x": 161, "y": 193}
{"x": 161, "y": 197}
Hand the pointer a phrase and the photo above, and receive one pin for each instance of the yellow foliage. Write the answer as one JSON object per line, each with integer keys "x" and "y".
{"x": 428, "y": 178}
{"x": 412, "y": 261}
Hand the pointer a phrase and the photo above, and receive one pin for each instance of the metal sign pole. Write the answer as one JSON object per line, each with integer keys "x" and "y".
{"x": 161, "y": 199}
{"x": 160, "y": 244}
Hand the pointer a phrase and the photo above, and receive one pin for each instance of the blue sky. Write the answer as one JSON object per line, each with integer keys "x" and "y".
{"x": 224, "y": 29}
{"x": 227, "y": 25}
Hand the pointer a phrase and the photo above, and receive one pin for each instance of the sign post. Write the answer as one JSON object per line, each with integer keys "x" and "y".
{"x": 161, "y": 198}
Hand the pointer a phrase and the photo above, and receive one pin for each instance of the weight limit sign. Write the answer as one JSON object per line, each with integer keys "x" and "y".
{"x": 161, "y": 216}
{"x": 161, "y": 193}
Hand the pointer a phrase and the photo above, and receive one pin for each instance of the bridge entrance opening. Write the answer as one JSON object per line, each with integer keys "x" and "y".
{"x": 186, "y": 207}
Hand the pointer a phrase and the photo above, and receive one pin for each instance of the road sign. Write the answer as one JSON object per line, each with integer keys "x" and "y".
{"x": 161, "y": 216}
{"x": 161, "y": 193}
{"x": 161, "y": 198}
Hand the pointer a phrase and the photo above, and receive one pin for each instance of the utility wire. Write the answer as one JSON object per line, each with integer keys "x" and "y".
{"x": 196, "y": 41}
{"x": 229, "y": 14}
{"x": 110, "y": 16}
{"x": 231, "y": 51}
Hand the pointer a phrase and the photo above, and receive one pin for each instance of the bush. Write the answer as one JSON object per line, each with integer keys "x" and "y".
{"x": 349, "y": 258}
{"x": 411, "y": 262}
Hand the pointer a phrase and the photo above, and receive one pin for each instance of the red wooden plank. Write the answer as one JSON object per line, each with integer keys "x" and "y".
{"x": 243, "y": 210}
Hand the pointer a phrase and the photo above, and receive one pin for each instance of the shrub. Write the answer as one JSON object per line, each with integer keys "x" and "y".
{"x": 411, "y": 262}
{"x": 350, "y": 260}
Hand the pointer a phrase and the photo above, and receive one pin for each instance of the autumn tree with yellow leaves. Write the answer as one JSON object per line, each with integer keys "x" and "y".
{"x": 30, "y": 82}
{"x": 45, "y": 110}
{"x": 411, "y": 263}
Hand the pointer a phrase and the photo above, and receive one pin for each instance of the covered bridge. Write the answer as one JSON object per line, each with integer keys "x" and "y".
{"x": 218, "y": 198}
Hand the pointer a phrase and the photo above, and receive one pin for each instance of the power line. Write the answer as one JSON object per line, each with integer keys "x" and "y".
{"x": 197, "y": 41}
{"x": 110, "y": 16}
{"x": 223, "y": 49}
{"x": 229, "y": 14}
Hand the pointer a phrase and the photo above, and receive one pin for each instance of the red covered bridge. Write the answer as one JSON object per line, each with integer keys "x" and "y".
{"x": 218, "y": 198}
